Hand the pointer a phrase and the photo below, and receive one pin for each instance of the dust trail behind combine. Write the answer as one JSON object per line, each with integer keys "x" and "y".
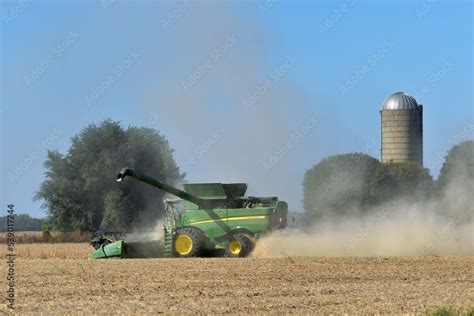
{"x": 443, "y": 226}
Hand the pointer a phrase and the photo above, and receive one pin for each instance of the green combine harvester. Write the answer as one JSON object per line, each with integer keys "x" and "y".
{"x": 207, "y": 219}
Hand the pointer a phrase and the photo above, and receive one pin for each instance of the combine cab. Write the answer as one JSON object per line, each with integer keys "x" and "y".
{"x": 208, "y": 219}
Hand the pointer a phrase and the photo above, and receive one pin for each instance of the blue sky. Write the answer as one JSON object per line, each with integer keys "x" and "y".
{"x": 244, "y": 91}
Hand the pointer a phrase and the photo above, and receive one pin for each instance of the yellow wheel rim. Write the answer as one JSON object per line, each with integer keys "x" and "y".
{"x": 183, "y": 244}
{"x": 235, "y": 247}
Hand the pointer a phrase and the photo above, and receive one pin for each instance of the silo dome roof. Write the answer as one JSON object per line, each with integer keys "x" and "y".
{"x": 400, "y": 101}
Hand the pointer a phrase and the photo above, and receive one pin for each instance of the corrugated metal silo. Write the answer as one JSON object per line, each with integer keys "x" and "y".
{"x": 402, "y": 129}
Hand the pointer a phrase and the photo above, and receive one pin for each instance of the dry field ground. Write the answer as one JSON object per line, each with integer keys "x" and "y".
{"x": 59, "y": 278}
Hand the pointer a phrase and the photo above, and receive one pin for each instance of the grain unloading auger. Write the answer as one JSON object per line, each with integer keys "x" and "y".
{"x": 207, "y": 219}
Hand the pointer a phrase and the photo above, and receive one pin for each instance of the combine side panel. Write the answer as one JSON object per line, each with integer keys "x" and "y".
{"x": 212, "y": 222}
{"x": 256, "y": 220}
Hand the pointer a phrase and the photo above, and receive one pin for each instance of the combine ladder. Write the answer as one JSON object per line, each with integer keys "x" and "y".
{"x": 168, "y": 236}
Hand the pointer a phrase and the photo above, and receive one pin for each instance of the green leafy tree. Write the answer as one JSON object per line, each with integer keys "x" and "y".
{"x": 338, "y": 185}
{"x": 353, "y": 184}
{"x": 46, "y": 234}
{"x": 400, "y": 180}
{"x": 459, "y": 163}
{"x": 455, "y": 184}
{"x": 23, "y": 222}
{"x": 79, "y": 191}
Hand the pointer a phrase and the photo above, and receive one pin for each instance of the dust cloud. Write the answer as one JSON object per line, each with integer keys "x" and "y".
{"x": 153, "y": 234}
{"x": 231, "y": 101}
{"x": 439, "y": 227}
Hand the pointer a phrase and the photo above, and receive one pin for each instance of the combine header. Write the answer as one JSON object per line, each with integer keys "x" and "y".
{"x": 207, "y": 219}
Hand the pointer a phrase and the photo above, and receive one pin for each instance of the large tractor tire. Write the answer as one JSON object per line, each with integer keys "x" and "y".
{"x": 188, "y": 242}
{"x": 239, "y": 246}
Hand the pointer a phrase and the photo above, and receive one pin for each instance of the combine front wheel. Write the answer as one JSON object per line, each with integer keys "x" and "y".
{"x": 188, "y": 242}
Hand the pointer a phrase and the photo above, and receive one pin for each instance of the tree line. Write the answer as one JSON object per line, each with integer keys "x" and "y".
{"x": 23, "y": 222}
{"x": 352, "y": 184}
{"x": 80, "y": 194}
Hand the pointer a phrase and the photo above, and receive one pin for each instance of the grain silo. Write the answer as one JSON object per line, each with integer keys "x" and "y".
{"x": 402, "y": 129}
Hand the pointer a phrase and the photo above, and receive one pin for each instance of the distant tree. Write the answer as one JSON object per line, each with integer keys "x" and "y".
{"x": 338, "y": 185}
{"x": 46, "y": 233}
{"x": 79, "y": 191}
{"x": 352, "y": 184}
{"x": 400, "y": 180}
{"x": 23, "y": 222}
{"x": 455, "y": 185}
{"x": 459, "y": 163}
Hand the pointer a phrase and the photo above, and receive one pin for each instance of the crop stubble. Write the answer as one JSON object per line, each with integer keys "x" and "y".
{"x": 68, "y": 282}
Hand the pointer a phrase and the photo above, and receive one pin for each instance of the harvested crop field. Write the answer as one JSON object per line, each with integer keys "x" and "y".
{"x": 252, "y": 285}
